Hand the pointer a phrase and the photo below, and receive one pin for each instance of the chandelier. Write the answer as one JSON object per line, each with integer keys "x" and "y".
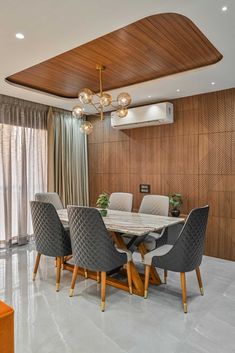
{"x": 99, "y": 101}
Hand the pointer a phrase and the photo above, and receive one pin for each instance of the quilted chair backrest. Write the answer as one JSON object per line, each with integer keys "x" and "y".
{"x": 155, "y": 205}
{"x": 121, "y": 201}
{"x": 50, "y": 197}
{"x": 50, "y": 236}
{"x": 186, "y": 254}
{"x": 92, "y": 245}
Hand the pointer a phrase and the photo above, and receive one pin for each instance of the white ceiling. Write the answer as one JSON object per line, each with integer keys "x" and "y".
{"x": 54, "y": 26}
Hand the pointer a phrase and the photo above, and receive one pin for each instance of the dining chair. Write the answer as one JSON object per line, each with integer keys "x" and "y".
{"x": 185, "y": 255}
{"x": 121, "y": 201}
{"x": 51, "y": 238}
{"x": 93, "y": 248}
{"x": 50, "y": 197}
{"x": 153, "y": 205}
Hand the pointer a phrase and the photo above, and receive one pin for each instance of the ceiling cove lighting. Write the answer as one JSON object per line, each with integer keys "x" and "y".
{"x": 224, "y": 8}
{"x": 19, "y": 36}
{"x": 99, "y": 101}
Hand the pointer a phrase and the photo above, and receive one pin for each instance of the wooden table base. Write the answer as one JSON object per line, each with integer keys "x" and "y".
{"x": 137, "y": 278}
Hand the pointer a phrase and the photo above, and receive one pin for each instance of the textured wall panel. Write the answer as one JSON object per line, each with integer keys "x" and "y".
{"x": 194, "y": 156}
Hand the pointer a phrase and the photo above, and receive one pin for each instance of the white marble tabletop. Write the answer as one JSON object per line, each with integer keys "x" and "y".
{"x": 130, "y": 222}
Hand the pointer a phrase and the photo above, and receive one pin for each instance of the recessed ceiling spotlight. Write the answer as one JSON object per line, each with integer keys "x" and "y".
{"x": 178, "y": 90}
{"x": 213, "y": 83}
{"x": 224, "y": 8}
{"x": 19, "y": 36}
{"x": 149, "y": 96}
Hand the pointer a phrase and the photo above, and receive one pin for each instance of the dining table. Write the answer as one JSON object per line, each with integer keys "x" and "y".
{"x": 136, "y": 226}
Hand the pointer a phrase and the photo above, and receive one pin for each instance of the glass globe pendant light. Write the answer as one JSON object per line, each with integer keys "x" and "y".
{"x": 99, "y": 101}
{"x": 122, "y": 112}
{"x": 86, "y": 127}
{"x": 124, "y": 99}
{"x": 77, "y": 111}
{"x": 105, "y": 99}
{"x": 85, "y": 96}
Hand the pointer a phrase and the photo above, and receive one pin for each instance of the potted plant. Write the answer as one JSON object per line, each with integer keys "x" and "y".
{"x": 103, "y": 203}
{"x": 175, "y": 203}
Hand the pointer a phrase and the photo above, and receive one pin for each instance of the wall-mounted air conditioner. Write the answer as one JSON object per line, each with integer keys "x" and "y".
{"x": 148, "y": 115}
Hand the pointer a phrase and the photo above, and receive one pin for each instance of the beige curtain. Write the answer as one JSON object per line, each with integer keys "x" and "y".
{"x": 67, "y": 158}
{"x": 23, "y": 165}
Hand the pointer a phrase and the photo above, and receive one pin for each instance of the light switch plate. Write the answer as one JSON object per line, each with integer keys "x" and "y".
{"x": 145, "y": 188}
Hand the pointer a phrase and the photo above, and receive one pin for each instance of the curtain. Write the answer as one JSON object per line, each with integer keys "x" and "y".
{"x": 23, "y": 165}
{"x": 67, "y": 158}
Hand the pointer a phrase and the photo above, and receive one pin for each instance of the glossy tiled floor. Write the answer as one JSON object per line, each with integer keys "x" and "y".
{"x": 50, "y": 322}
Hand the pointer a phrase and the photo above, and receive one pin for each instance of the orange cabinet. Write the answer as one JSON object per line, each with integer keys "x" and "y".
{"x": 6, "y": 328}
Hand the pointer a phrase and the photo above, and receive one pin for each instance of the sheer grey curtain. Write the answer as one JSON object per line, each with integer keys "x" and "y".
{"x": 23, "y": 165}
{"x": 67, "y": 158}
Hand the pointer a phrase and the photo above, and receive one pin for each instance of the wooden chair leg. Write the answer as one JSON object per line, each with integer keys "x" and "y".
{"x": 199, "y": 280}
{"x": 129, "y": 279}
{"x": 146, "y": 280}
{"x": 184, "y": 293}
{"x": 165, "y": 276}
{"x": 62, "y": 263}
{"x": 85, "y": 273}
{"x": 103, "y": 290}
{"x": 98, "y": 276}
{"x": 36, "y": 266}
{"x": 75, "y": 272}
{"x": 58, "y": 269}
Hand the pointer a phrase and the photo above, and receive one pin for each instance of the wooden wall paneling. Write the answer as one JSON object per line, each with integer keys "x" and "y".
{"x": 114, "y": 182}
{"x": 145, "y": 156}
{"x": 96, "y": 157}
{"x": 154, "y": 180}
{"x": 194, "y": 156}
{"x": 215, "y": 153}
{"x": 217, "y": 112}
{"x": 183, "y": 125}
{"x": 218, "y": 191}
{"x": 233, "y": 153}
{"x": 98, "y": 130}
{"x": 148, "y": 132}
{"x": 113, "y": 135}
{"x": 220, "y": 238}
{"x": 179, "y": 154}
{"x": 187, "y": 185}
{"x": 116, "y": 157}
{"x": 96, "y": 186}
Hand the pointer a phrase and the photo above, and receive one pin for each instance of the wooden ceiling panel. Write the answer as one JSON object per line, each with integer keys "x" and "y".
{"x": 150, "y": 48}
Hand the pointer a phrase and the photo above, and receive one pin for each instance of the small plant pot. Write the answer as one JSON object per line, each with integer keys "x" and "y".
{"x": 103, "y": 212}
{"x": 175, "y": 213}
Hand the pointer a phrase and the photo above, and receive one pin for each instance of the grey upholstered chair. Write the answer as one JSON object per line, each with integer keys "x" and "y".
{"x": 50, "y": 197}
{"x": 93, "y": 248}
{"x": 51, "y": 238}
{"x": 121, "y": 201}
{"x": 153, "y": 205}
{"x": 185, "y": 255}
